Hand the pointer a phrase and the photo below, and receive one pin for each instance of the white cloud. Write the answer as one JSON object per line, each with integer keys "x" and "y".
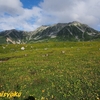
{"x": 85, "y": 11}
{"x": 13, "y": 15}
{"x": 11, "y": 6}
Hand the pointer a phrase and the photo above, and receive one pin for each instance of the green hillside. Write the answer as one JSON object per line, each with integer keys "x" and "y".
{"x": 2, "y": 40}
{"x": 51, "y": 71}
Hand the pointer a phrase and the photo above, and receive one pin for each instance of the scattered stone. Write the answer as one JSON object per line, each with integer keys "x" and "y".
{"x": 46, "y": 55}
{"x": 25, "y": 55}
{"x": 62, "y": 51}
{"x": 31, "y": 47}
{"x": 3, "y": 47}
{"x": 45, "y": 48}
{"x": 43, "y": 55}
{"x": 22, "y": 48}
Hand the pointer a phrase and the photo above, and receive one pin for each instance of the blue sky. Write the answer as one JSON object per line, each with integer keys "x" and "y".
{"x": 30, "y": 3}
{"x": 29, "y": 14}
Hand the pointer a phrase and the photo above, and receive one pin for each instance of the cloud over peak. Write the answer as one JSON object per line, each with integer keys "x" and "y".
{"x": 14, "y": 15}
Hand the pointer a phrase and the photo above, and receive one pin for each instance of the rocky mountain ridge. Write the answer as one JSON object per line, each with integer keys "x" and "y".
{"x": 73, "y": 31}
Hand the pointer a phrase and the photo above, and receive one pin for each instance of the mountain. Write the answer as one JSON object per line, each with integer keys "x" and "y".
{"x": 77, "y": 31}
{"x": 14, "y": 36}
{"x": 73, "y": 31}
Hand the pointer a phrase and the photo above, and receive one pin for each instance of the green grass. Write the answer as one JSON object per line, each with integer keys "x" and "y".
{"x": 51, "y": 71}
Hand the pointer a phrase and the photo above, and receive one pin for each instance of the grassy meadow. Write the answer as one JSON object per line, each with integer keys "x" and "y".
{"x": 51, "y": 70}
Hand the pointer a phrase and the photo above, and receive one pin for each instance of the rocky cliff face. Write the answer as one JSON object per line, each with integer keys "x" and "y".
{"x": 77, "y": 31}
{"x": 73, "y": 31}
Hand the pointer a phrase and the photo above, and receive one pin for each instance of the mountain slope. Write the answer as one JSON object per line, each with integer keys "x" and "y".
{"x": 13, "y": 36}
{"x": 78, "y": 31}
{"x": 73, "y": 31}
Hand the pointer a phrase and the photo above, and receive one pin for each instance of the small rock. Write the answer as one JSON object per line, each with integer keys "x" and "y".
{"x": 22, "y": 48}
{"x": 25, "y": 54}
{"x": 63, "y": 51}
{"x": 3, "y": 47}
{"x": 46, "y": 54}
{"x": 31, "y": 47}
{"x": 45, "y": 48}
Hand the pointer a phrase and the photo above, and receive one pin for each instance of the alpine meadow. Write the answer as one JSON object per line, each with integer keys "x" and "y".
{"x": 49, "y": 50}
{"x": 53, "y": 62}
{"x": 50, "y": 70}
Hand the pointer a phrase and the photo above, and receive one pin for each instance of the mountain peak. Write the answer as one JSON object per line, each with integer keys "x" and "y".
{"x": 74, "y": 23}
{"x": 42, "y": 27}
{"x": 72, "y": 31}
